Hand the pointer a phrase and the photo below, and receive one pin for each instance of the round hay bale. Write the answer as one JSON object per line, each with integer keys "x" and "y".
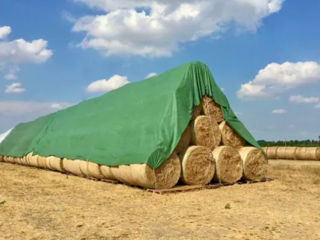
{"x": 54, "y": 163}
{"x": 6, "y": 158}
{"x": 33, "y": 160}
{"x": 198, "y": 166}
{"x": 290, "y": 152}
{"x": 230, "y": 137}
{"x": 168, "y": 174}
{"x": 311, "y": 153}
{"x": 1, "y": 158}
{"x": 42, "y": 162}
{"x": 24, "y": 160}
{"x": 11, "y": 159}
{"x": 272, "y": 152}
{"x": 94, "y": 170}
{"x": 196, "y": 112}
{"x": 165, "y": 176}
{"x": 72, "y": 166}
{"x": 286, "y": 152}
{"x": 229, "y": 167}
{"x": 281, "y": 153}
{"x": 17, "y": 160}
{"x": 106, "y": 172}
{"x": 300, "y": 153}
{"x": 205, "y": 132}
{"x": 184, "y": 141}
{"x": 254, "y": 163}
{"x": 84, "y": 168}
{"x": 212, "y": 109}
{"x": 123, "y": 174}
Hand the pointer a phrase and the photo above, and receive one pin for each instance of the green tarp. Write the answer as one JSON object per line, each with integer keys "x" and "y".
{"x": 141, "y": 122}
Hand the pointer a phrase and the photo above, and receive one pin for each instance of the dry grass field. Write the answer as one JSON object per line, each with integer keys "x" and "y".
{"x": 38, "y": 204}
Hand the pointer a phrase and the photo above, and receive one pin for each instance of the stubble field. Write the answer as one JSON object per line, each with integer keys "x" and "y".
{"x": 39, "y": 204}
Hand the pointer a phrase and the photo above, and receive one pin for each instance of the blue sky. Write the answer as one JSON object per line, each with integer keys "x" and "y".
{"x": 236, "y": 40}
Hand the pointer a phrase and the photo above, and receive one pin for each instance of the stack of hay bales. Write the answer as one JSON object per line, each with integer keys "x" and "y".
{"x": 294, "y": 153}
{"x": 216, "y": 152}
{"x": 209, "y": 150}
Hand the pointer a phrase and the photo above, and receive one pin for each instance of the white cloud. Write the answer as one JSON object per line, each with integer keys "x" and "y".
{"x": 276, "y": 78}
{"x": 4, "y": 31}
{"x": 161, "y": 25}
{"x": 106, "y": 85}
{"x": 152, "y": 74}
{"x": 19, "y": 108}
{"x": 279, "y": 111}
{"x": 302, "y": 99}
{"x": 19, "y": 51}
{"x": 15, "y": 88}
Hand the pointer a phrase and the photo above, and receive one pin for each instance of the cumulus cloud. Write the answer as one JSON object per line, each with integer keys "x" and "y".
{"x": 19, "y": 51}
{"x": 302, "y": 99}
{"x": 106, "y": 85}
{"x": 152, "y": 74}
{"x": 15, "y": 88}
{"x": 276, "y": 78}
{"x": 4, "y": 31}
{"x": 155, "y": 28}
{"x": 279, "y": 111}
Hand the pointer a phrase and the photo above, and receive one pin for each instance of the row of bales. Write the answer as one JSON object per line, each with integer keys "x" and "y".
{"x": 293, "y": 153}
{"x": 209, "y": 151}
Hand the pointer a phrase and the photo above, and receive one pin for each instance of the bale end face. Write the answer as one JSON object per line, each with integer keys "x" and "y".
{"x": 229, "y": 166}
{"x": 206, "y": 132}
{"x": 212, "y": 109}
{"x": 254, "y": 163}
{"x": 198, "y": 166}
{"x": 230, "y": 137}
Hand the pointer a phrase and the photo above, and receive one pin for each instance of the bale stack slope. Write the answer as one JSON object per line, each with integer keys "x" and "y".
{"x": 148, "y": 134}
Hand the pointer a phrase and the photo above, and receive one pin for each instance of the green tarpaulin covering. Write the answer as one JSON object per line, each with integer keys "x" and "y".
{"x": 141, "y": 122}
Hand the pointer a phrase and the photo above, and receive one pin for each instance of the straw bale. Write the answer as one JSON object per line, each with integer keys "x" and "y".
{"x": 254, "y": 163}
{"x": 311, "y": 153}
{"x": 42, "y": 162}
{"x": 212, "y": 109}
{"x": 198, "y": 166}
{"x": 94, "y": 170}
{"x": 33, "y": 159}
{"x": 84, "y": 168}
{"x": 229, "y": 167}
{"x": 54, "y": 163}
{"x": 72, "y": 166}
{"x": 230, "y": 137}
{"x": 205, "y": 132}
{"x": 272, "y": 152}
{"x": 106, "y": 172}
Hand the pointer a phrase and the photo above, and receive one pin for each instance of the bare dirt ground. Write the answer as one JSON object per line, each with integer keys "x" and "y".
{"x": 39, "y": 204}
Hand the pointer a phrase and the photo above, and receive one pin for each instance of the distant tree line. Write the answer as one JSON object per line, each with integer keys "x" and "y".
{"x": 295, "y": 143}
